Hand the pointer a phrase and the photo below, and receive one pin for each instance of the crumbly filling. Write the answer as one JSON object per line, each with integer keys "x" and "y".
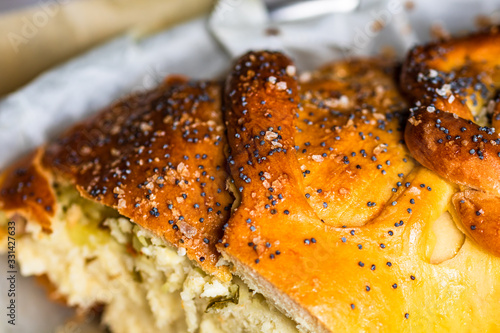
{"x": 95, "y": 256}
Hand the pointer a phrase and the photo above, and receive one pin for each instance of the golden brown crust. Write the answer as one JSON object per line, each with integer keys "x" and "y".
{"x": 348, "y": 138}
{"x": 457, "y": 149}
{"x": 479, "y": 212}
{"x": 456, "y": 77}
{"x": 495, "y": 117}
{"x": 365, "y": 83}
{"x": 263, "y": 135}
{"x": 261, "y": 103}
{"x": 157, "y": 157}
{"x": 367, "y": 275}
{"x": 26, "y": 188}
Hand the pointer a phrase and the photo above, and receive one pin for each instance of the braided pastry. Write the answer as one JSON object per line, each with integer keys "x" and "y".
{"x": 457, "y": 78}
{"x": 342, "y": 244}
{"x": 305, "y": 188}
{"x": 127, "y": 157}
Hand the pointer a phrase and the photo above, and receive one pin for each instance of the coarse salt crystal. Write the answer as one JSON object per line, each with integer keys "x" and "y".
{"x": 344, "y": 100}
{"x": 281, "y": 85}
{"x": 276, "y": 144}
{"x": 122, "y": 204}
{"x": 433, "y": 73}
{"x": 317, "y": 158}
{"x": 271, "y": 135}
{"x": 305, "y": 77}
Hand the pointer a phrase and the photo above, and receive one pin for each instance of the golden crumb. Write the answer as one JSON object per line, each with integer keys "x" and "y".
{"x": 409, "y": 5}
{"x": 485, "y": 21}
{"x": 388, "y": 52}
{"x": 438, "y": 32}
{"x": 378, "y": 25}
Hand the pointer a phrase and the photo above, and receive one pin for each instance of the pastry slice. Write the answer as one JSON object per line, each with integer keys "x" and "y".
{"x": 275, "y": 202}
{"x": 395, "y": 263}
{"x": 123, "y": 213}
{"x": 455, "y": 130}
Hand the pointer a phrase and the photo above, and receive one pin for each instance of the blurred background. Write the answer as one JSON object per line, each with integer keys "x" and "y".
{"x": 38, "y": 34}
{"x": 7, "y": 5}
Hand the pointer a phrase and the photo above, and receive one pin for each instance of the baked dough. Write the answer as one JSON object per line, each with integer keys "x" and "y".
{"x": 157, "y": 158}
{"x": 459, "y": 79}
{"x": 304, "y": 184}
{"x": 363, "y": 272}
